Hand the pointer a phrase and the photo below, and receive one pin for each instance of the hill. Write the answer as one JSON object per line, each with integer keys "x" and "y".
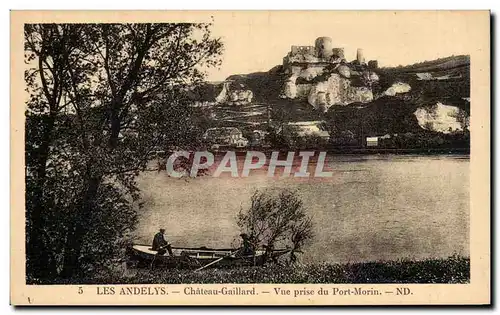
{"x": 442, "y": 81}
{"x": 266, "y": 86}
{"x": 453, "y": 83}
{"x": 441, "y": 64}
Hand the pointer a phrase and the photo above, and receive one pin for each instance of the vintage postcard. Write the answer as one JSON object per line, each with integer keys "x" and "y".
{"x": 250, "y": 157}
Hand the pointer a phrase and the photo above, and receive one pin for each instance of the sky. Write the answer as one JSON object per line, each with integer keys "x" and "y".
{"x": 257, "y": 41}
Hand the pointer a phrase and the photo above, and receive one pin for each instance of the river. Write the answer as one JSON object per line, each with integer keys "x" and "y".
{"x": 374, "y": 207}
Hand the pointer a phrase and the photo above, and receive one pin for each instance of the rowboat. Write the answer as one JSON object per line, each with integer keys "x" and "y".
{"x": 189, "y": 257}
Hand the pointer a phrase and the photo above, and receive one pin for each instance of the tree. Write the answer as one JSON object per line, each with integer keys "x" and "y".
{"x": 276, "y": 218}
{"x": 102, "y": 98}
{"x": 48, "y": 48}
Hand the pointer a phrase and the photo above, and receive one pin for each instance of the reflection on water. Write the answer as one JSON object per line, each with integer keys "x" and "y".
{"x": 372, "y": 208}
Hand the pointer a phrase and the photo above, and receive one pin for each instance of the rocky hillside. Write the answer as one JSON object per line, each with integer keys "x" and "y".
{"x": 352, "y": 101}
{"x": 439, "y": 99}
{"x": 441, "y": 79}
{"x": 400, "y": 97}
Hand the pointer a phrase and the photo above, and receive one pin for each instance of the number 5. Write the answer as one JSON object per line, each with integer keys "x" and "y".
{"x": 80, "y": 290}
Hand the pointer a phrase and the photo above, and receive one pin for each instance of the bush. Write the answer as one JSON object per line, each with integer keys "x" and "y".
{"x": 276, "y": 218}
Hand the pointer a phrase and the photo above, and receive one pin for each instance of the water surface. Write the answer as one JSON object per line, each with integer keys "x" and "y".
{"x": 376, "y": 207}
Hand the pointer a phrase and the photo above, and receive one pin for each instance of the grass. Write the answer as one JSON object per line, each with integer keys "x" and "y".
{"x": 454, "y": 269}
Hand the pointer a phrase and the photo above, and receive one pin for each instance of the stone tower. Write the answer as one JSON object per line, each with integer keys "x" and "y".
{"x": 324, "y": 47}
{"x": 359, "y": 56}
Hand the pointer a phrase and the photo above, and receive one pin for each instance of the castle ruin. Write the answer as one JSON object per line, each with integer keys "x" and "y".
{"x": 321, "y": 75}
{"x": 321, "y": 54}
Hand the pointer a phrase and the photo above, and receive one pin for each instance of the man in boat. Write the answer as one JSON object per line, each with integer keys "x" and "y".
{"x": 247, "y": 246}
{"x": 160, "y": 244}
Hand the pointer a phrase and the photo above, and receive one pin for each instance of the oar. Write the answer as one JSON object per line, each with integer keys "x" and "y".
{"x": 216, "y": 261}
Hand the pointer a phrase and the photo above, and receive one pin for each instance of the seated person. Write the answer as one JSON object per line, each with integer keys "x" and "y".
{"x": 247, "y": 247}
{"x": 159, "y": 244}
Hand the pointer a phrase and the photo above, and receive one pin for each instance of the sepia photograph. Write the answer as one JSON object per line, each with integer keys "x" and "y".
{"x": 248, "y": 148}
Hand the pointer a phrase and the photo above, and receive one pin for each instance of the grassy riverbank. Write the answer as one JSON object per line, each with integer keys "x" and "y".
{"x": 454, "y": 269}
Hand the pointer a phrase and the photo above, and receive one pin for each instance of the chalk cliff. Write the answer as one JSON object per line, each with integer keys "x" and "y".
{"x": 234, "y": 94}
{"x": 442, "y": 118}
{"x": 337, "y": 90}
{"x": 398, "y": 88}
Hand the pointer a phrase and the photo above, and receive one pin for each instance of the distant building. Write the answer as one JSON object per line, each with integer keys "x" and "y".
{"x": 225, "y": 136}
{"x": 372, "y": 141}
{"x": 360, "y": 57}
{"x": 241, "y": 142}
{"x": 322, "y": 54}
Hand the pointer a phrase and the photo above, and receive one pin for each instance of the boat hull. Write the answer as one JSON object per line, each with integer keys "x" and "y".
{"x": 197, "y": 257}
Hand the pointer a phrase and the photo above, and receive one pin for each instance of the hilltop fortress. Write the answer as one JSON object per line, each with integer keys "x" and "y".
{"x": 322, "y": 53}
{"x": 318, "y": 75}
{"x": 436, "y": 94}
{"x": 321, "y": 75}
